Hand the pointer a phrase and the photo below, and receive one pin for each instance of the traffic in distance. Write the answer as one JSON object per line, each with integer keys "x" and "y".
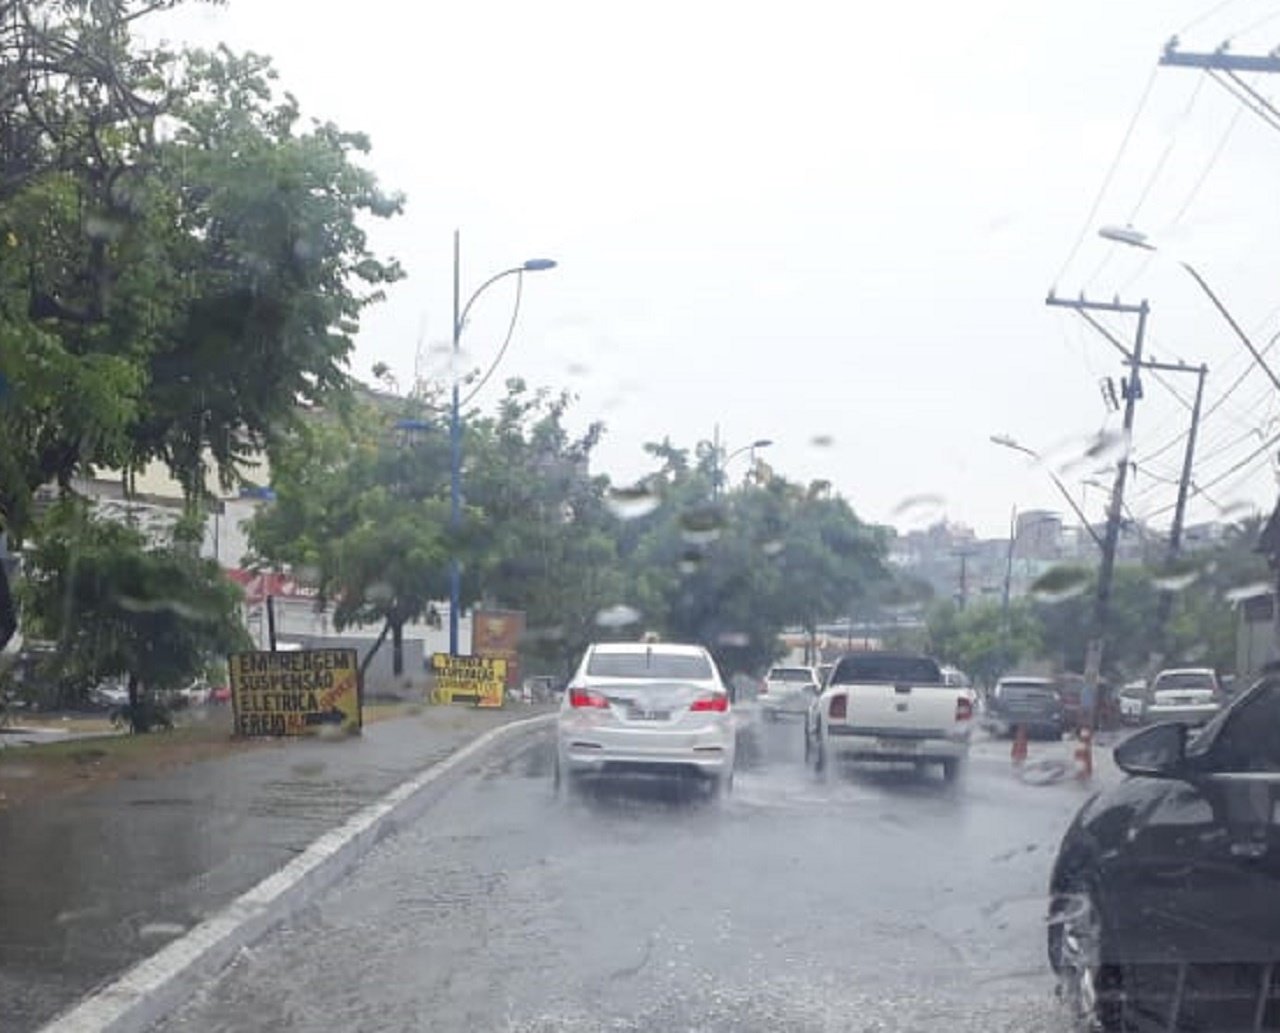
{"x": 1160, "y": 911}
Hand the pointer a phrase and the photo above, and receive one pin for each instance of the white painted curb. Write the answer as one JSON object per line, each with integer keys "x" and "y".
{"x": 158, "y": 984}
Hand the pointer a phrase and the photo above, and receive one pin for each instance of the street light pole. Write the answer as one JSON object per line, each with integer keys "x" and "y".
{"x": 455, "y": 459}
{"x": 533, "y": 265}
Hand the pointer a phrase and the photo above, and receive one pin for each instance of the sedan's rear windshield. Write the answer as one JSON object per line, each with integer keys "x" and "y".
{"x": 1184, "y": 680}
{"x": 911, "y": 670}
{"x": 651, "y": 664}
{"x": 800, "y": 674}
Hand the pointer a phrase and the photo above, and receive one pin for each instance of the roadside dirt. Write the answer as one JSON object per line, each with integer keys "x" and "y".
{"x": 30, "y": 774}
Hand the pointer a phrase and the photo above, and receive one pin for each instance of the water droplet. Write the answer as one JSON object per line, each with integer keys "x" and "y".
{"x": 1103, "y": 450}
{"x": 552, "y": 633}
{"x": 380, "y": 592}
{"x": 158, "y": 930}
{"x": 103, "y": 227}
{"x": 618, "y": 616}
{"x": 303, "y": 249}
{"x": 632, "y": 502}
{"x": 1176, "y": 580}
{"x": 577, "y": 369}
{"x": 734, "y": 639}
{"x": 701, "y": 525}
{"x": 773, "y": 547}
{"x": 822, "y": 441}
{"x": 690, "y": 560}
{"x": 309, "y": 768}
{"x": 1061, "y": 583}
{"x": 920, "y": 511}
{"x": 1250, "y": 591}
{"x": 1234, "y": 508}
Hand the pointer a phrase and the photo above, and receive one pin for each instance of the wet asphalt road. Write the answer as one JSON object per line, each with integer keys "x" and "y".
{"x": 881, "y": 899}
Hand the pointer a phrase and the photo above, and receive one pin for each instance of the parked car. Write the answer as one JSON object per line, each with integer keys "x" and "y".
{"x": 109, "y": 693}
{"x": 1190, "y": 694}
{"x": 1133, "y": 702}
{"x": 1032, "y": 703}
{"x": 788, "y": 691}
{"x": 645, "y": 707}
{"x": 1163, "y": 895}
{"x": 890, "y": 706}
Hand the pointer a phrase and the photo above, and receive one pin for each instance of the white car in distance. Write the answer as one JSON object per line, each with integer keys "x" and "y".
{"x": 789, "y": 690}
{"x": 646, "y": 708}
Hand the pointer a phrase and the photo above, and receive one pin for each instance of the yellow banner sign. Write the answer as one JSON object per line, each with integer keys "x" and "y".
{"x": 305, "y": 692}
{"x": 469, "y": 679}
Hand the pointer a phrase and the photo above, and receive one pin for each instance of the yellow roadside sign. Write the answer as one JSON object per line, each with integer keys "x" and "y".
{"x": 469, "y": 679}
{"x": 305, "y": 692}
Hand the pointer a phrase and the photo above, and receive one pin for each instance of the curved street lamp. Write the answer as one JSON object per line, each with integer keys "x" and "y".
{"x": 533, "y": 265}
{"x": 1004, "y": 441}
{"x": 1135, "y": 238}
{"x": 720, "y": 466}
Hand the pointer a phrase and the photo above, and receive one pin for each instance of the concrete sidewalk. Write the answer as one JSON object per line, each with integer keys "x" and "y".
{"x": 90, "y": 883}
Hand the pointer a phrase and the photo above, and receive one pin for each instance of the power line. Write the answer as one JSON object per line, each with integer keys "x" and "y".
{"x": 511, "y": 327}
{"x": 1168, "y": 150}
{"x": 1260, "y": 107}
{"x": 1202, "y": 18}
{"x": 1106, "y": 182}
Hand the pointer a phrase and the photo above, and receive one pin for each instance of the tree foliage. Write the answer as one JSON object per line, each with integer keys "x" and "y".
{"x": 117, "y": 605}
{"x": 182, "y": 263}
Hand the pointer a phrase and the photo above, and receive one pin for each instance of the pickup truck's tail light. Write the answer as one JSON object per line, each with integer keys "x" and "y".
{"x": 580, "y": 698}
{"x": 838, "y": 708}
{"x": 715, "y": 701}
{"x": 964, "y": 708}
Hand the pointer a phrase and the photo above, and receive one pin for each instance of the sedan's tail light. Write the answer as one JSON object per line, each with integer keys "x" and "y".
{"x": 838, "y": 708}
{"x": 964, "y": 708}
{"x": 580, "y": 697}
{"x": 717, "y": 701}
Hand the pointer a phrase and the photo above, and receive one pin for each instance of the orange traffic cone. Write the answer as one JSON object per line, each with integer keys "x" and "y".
{"x": 1018, "y": 752}
{"x": 1084, "y": 755}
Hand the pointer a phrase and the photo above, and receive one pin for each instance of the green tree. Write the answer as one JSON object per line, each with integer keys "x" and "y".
{"x": 982, "y": 640}
{"x": 361, "y": 508}
{"x": 182, "y": 263}
{"x": 542, "y": 537}
{"x": 734, "y": 570}
{"x": 156, "y": 614}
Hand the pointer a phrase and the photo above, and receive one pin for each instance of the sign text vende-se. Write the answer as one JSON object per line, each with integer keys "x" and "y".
{"x": 295, "y": 693}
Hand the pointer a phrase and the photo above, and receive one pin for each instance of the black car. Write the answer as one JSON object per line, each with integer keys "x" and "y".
{"x": 1034, "y": 704}
{"x": 1165, "y": 895}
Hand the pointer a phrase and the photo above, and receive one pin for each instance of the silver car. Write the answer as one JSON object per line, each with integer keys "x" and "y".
{"x": 789, "y": 690}
{"x": 1188, "y": 694}
{"x": 653, "y": 708}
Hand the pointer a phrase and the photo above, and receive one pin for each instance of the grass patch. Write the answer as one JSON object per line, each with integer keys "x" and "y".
{"x": 29, "y": 774}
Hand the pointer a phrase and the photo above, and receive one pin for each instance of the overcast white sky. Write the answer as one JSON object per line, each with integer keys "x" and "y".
{"x": 818, "y": 219}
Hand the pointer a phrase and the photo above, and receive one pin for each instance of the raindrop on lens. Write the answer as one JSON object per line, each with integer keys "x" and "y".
{"x": 632, "y": 502}
{"x": 617, "y": 616}
{"x": 1060, "y": 583}
{"x": 701, "y": 525}
{"x": 690, "y": 561}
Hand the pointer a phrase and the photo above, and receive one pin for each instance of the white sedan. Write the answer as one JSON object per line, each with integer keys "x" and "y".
{"x": 651, "y": 708}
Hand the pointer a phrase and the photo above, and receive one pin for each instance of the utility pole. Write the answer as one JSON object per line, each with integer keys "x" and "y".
{"x": 964, "y": 555}
{"x": 1106, "y": 569}
{"x": 1184, "y": 485}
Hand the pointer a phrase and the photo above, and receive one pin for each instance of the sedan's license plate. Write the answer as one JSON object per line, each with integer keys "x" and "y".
{"x": 636, "y": 714}
{"x": 896, "y": 745}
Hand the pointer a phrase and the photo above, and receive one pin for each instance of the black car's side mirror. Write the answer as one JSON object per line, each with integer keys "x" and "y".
{"x": 1157, "y": 752}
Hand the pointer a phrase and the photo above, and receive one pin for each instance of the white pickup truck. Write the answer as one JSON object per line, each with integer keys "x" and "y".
{"x": 890, "y": 706}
